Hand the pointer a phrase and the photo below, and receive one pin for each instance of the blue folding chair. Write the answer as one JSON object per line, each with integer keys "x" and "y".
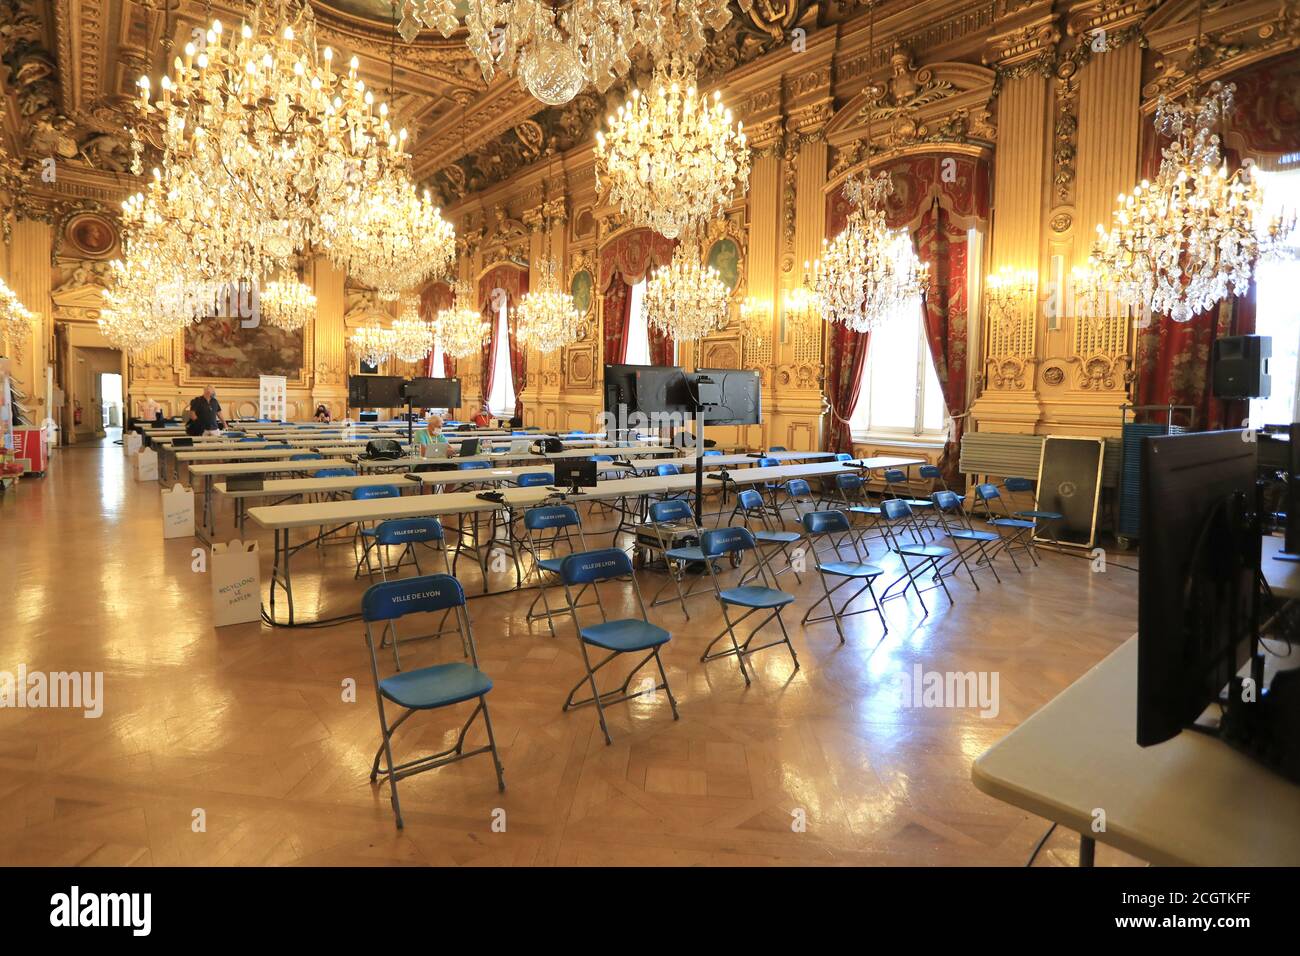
{"x": 1044, "y": 521}
{"x": 895, "y": 517}
{"x": 850, "y": 567}
{"x": 426, "y": 688}
{"x": 725, "y": 542}
{"x": 307, "y": 456}
{"x": 966, "y": 539}
{"x": 335, "y": 473}
{"x": 548, "y": 528}
{"x": 364, "y": 536}
{"x": 895, "y": 480}
{"x": 666, "y": 517}
{"x": 533, "y": 479}
{"x": 406, "y": 533}
{"x": 1013, "y": 532}
{"x": 248, "y": 438}
{"x": 750, "y": 508}
{"x": 627, "y": 635}
{"x": 851, "y": 497}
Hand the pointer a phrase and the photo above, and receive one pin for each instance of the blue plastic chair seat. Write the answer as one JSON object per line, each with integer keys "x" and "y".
{"x": 777, "y": 537}
{"x": 925, "y": 551}
{"x": 964, "y": 535}
{"x": 1042, "y": 515}
{"x": 689, "y": 553}
{"x": 435, "y": 686}
{"x": 851, "y": 569}
{"x": 368, "y": 532}
{"x": 551, "y": 564}
{"x": 865, "y": 510}
{"x": 915, "y": 503}
{"x": 754, "y": 596}
{"x": 631, "y": 634}
{"x": 1010, "y": 523}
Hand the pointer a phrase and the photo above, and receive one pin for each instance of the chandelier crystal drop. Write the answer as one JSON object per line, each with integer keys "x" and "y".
{"x": 685, "y": 298}
{"x": 287, "y": 304}
{"x": 461, "y": 329}
{"x": 547, "y": 318}
{"x": 392, "y": 238}
{"x": 412, "y": 336}
{"x": 556, "y": 50}
{"x": 868, "y": 270}
{"x": 15, "y": 318}
{"x": 373, "y": 343}
{"x": 256, "y": 122}
{"x": 1181, "y": 244}
{"x": 671, "y": 159}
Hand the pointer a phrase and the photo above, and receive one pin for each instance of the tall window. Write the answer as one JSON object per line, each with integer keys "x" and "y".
{"x": 502, "y": 399}
{"x": 438, "y": 367}
{"x": 1277, "y": 308}
{"x": 901, "y": 396}
{"x": 638, "y": 331}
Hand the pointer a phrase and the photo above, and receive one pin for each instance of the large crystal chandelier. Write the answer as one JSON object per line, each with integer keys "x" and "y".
{"x": 868, "y": 270}
{"x": 461, "y": 329}
{"x": 412, "y": 337}
{"x": 287, "y": 303}
{"x": 256, "y": 123}
{"x": 556, "y": 50}
{"x": 392, "y": 237}
{"x": 1188, "y": 240}
{"x": 672, "y": 160}
{"x": 686, "y": 299}
{"x": 15, "y": 318}
{"x": 373, "y": 343}
{"x": 546, "y": 317}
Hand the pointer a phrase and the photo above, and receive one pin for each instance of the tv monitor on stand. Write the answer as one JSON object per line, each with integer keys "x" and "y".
{"x": 575, "y": 474}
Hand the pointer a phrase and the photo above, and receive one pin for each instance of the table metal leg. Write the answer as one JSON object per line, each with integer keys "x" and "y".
{"x": 1087, "y": 850}
{"x": 280, "y": 572}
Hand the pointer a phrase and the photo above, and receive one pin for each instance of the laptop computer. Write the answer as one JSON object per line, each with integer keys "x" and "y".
{"x": 469, "y": 447}
{"x": 520, "y": 446}
{"x": 436, "y": 450}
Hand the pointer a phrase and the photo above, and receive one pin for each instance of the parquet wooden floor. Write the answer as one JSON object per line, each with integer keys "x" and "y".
{"x": 249, "y": 725}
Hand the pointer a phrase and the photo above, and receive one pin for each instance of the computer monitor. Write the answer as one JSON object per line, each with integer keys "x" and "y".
{"x": 469, "y": 447}
{"x": 620, "y": 389}
{"x": 433, "y": 392}
{"x": 375, "y": 391}
{"x": 728, "y": 396}
{"x": 575, "y": 473}
{"x": 664, "y": 389}
{"x": 1199, "y": 558}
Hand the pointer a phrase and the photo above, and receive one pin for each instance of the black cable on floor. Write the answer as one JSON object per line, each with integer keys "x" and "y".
{"x": 1033, "y": 856}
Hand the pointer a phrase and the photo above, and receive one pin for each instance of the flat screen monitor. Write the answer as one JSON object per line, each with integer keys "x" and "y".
{"x": 434, "y": 392}
{"x": 728, "y": 396}
{"x": 575, "y": 473}
{"x": 620, "y": 388}
{"x": 375, "y": 391}
{"x": 1196, "y": 580}
{"x": 663, "y": 389}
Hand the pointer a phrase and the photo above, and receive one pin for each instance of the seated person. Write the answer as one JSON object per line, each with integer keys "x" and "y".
{"x": 432, "y": 435}
{"x": 484, "y": 417}
{"x": 322, "y": 414}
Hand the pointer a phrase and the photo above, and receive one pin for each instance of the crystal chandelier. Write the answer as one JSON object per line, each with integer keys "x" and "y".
{"x": 461, "y": 329}
{"x": 412, "y": 337}
{"x": 868, "y": 270}
{"x": 287, "y": 303}
{"x": 1179, "y": 245}
{"x": 392, "y": 238}
{"x": 15, "y": 318}
{"x": 256, "y": 124}
{"x": 547, "y": 318}
{"x": 557, "y": 50}
{"x": 685, "y": 299}
{"x": 373, "y": 343}
{"x": 671, "y": 160}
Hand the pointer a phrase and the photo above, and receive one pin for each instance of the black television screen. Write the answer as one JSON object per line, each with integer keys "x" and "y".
{"x": 620, "y": 388}
{"x": 375, "y": 391}
{"x": 663, "y": 389}
{"x": 1196, "y": 579}
{"x": 729, "y": 396}
{"x": 434, "y": 392}
{"x": 575, "y": 473}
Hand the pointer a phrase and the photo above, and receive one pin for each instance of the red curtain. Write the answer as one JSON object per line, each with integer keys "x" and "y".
{"x": 436, "y": 297}
{"x": 627, "y": 258}
{"x": 489, "y": 355}
{"x": 846, "y": 360}
{"x": 661, "y": 347}
{"x": 518, "y": 364}
{"x": 615, "y": 318}
{"x": 510, "y": 281}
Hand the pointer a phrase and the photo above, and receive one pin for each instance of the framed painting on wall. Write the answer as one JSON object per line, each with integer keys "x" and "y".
{"x": 222, "y": 348}
{"x": 724, "y": 255}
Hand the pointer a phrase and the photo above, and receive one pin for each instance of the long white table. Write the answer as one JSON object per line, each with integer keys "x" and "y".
{"x": 282, "y": 519}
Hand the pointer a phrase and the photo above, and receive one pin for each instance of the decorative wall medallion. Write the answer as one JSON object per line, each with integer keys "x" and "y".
{"x": 1053, "y": 375}
{"x": 90, "y": 235}
{"x": 1062, "y": 222}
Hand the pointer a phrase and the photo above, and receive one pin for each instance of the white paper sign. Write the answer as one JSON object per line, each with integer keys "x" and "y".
{"x": 236, "y": 575}
{"x": 178, "y": 512}
{"x": 146, "y": 465}
{"x": 272, "y": 396}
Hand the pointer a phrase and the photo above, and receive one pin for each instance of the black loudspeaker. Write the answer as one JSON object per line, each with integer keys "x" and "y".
{"x": 1241, "y": 366}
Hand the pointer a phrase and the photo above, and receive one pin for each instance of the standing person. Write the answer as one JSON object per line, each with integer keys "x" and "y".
{"x": 205, "y": 414}
{"x": 431, "y": 436}
{"x": 484, "y": 417}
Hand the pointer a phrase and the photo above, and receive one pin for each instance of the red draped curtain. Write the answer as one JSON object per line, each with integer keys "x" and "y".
{"x": 937, "y": 197}
{"x": 512, "y": 282}
{"x": 436, "y": 297}
{"x": 615, "y": 317}
{"x": 624, "y": 261}
{"x": 1173, "y": 360}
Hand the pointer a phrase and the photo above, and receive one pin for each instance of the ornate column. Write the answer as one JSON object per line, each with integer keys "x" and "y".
{"x": 329, "y": 382}
{"x": 30, "y": 276}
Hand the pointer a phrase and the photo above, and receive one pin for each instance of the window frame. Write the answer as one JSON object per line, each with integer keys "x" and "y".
{"x": 917, "y": 434}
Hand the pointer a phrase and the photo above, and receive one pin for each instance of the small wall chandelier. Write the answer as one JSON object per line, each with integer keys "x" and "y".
{"x": 868, "y": 270}
{"x": 373, "y": 343}
{"x": 670, "y": 159}
{"x": 1009, "y": 295}
{"x": 15, "y": 318}
{"x": 685, "y": 298}
{"x": 1179, "y": 245}
{"x": 287, "y": 303}
{"x": 547, "y": 318}
{"x": 556, "y": 50}
{"x": 461, "y": 329}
